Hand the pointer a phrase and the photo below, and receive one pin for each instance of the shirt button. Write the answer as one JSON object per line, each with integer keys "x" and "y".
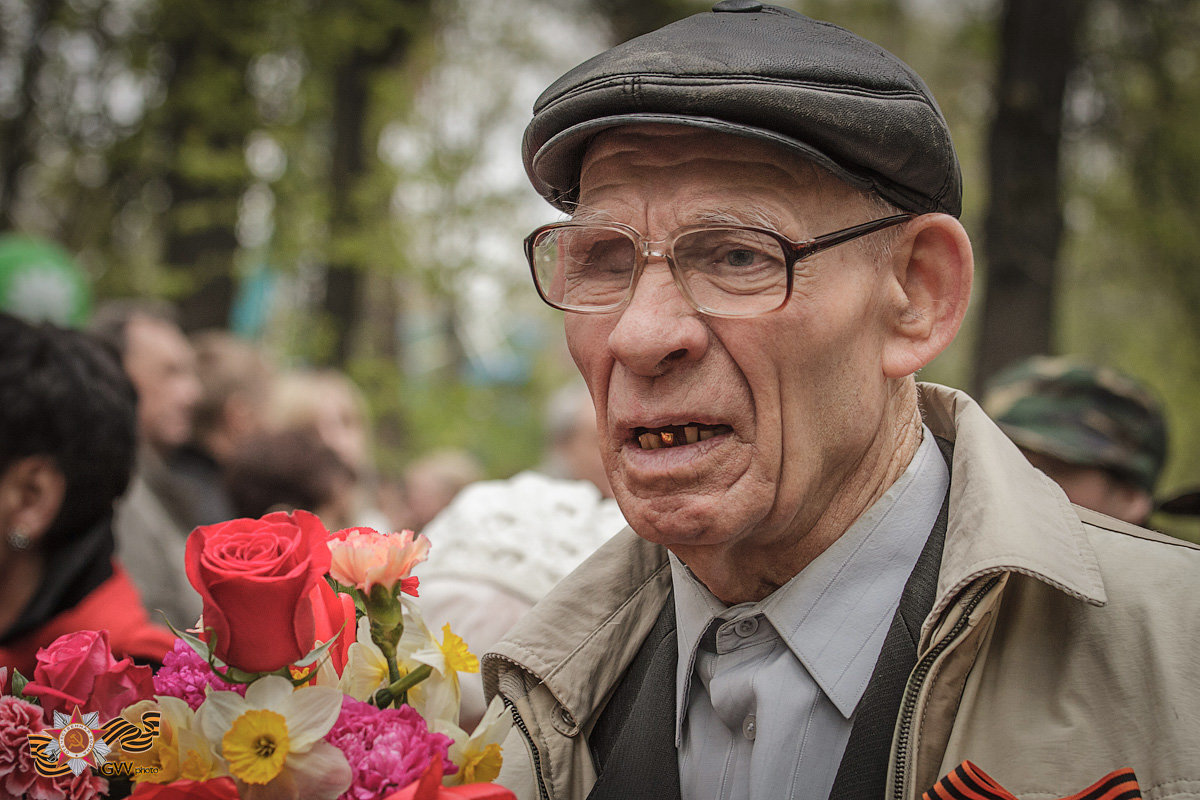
{"x": 749, "y": 727}
{"x": 746, "y": 626}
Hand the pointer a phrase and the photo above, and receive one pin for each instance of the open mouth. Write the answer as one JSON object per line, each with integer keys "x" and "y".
{"x": 677, "y": 435}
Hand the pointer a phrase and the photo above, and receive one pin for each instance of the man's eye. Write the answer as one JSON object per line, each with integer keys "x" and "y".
{"x": 740, "y": 258}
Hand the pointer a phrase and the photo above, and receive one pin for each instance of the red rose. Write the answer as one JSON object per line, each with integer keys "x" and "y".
{"x": 78, "y": 669}
{"x": 216, "y": 789}
{"x": 261, "y": 581}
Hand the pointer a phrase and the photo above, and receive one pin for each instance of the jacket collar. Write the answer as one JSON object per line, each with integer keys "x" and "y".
{"x": 581, "y": 637}
{"x": 1005, "y": 516}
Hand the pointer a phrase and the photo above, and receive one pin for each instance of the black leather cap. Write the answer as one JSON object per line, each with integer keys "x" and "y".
{"x": 769, "y": 73}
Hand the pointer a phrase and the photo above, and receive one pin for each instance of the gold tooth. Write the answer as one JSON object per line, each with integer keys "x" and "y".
{"x": 668, "y": 438}
{"x": 691, "y": 433}
{"x": 706, "y": 434}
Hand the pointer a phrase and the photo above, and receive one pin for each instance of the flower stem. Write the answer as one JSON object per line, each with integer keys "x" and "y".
{"x": 397, "y": 689}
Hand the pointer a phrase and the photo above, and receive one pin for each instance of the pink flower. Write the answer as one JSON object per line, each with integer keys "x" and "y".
{"x": 184, "y": 674}
{"x": 362, "y": 558}
{"x": 18, "y": 778}
{"x": 387, "y": 748}
{"x": 78, "y": 669}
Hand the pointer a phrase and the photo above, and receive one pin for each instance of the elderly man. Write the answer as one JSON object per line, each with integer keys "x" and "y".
{"x": 842, "y": 584}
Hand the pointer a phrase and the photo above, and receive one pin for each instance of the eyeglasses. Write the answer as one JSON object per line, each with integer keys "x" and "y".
{"x": 722, "y": 270}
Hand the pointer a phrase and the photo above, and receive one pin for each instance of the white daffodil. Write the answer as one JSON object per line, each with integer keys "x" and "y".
{"x": 478, "y": 755}
{"x": 271, "y": 740}
{"x": 440, "y": 696}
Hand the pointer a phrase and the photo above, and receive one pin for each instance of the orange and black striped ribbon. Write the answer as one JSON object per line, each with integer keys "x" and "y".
{"x": 120, "y": 732}
{"x": 969, "y": 782}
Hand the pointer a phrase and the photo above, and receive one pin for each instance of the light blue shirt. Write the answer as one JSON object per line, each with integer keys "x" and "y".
{"x": 766, "y": 691}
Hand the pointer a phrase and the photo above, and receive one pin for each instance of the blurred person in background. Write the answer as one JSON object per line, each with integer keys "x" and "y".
{"x": 1099, "y": 434}
{"x": 68, "y": 436}
{"x": 329, "y": 405}
{"x": 235, "y": 379}
{"x": 500, "y": 546}
{"x": 291, "y": 470}
{"x": 435, "y": 479}
{"x": 572, "y": 442}
{"x": 155, "y": 517}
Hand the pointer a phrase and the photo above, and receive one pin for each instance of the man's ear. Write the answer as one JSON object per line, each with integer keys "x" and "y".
{"x": 933, "y": 268}
{"x": 32, "y": 490}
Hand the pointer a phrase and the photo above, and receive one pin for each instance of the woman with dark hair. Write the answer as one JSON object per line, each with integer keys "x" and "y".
{"x": 67, "y": 440}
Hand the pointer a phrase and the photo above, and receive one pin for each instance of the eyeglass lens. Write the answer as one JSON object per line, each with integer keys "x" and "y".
{"x": 723, "y": 270}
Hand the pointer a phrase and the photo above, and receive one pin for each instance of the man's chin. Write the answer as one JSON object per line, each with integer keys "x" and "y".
{"x": 679, "y": 532}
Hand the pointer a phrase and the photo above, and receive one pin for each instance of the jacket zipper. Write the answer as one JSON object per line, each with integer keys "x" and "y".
{"x": 915, "y": 681}
{"x": 533, "y": 751}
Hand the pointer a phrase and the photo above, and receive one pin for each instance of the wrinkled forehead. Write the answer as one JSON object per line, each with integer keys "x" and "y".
{"x": 720, "y": 164}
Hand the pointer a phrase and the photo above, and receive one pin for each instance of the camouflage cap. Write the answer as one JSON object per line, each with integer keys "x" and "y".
{"x": 1082, "y": 414}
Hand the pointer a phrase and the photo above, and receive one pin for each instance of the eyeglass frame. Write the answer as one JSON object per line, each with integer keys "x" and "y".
{"x": 794, "y": 252}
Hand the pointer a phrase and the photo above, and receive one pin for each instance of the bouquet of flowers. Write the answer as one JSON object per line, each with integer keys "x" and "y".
{"x": 311, "y": 675}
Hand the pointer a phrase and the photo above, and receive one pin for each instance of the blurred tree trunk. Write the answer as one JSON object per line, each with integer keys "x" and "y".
{"x": 16, "y": 145}
{"x": 201, "y": 135}
{"x": 353, "y": 151}
{"x": 1023, "y": 224}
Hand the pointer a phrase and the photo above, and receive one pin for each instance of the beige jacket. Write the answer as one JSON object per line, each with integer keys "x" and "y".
{"x": 1062, "y": 645}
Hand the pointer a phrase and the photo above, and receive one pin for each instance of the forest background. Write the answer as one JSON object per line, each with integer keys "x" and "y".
{"x": 340, "y": 181}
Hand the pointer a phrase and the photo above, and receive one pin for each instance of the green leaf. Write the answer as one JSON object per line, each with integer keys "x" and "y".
{"x": 18, "y": 684}
{"x": 318, "y": 653}
{"x": 201, "y": 647}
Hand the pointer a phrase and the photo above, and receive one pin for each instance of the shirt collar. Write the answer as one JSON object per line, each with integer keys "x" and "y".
{"x": 835, "y": 614}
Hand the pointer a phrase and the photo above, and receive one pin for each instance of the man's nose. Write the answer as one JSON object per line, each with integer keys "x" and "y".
{"x": 659, "y": 329}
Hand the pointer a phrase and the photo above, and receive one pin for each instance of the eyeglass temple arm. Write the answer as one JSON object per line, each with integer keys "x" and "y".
{"x": 812, "y": 246}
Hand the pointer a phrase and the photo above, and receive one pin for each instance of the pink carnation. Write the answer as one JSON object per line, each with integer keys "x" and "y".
{"x": 18, "y": 778}
{"x": 361, "y": 558}
{"x": 184, "y": 674}
{"x": 388, "y": 748}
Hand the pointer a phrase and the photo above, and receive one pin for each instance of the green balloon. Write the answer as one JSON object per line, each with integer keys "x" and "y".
{"x": 41, "y": 282}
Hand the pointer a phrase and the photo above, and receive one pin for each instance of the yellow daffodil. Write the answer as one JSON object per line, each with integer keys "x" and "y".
{"x": 478, "y": 755}
{"x": 257, "y": 746}
{"x": 454, "y": 650}
{"x": 271, "y": 740}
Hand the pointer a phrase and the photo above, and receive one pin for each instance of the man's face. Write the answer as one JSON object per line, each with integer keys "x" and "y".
{"x": 788, "y": 402}
{"x": 162, "y": 366}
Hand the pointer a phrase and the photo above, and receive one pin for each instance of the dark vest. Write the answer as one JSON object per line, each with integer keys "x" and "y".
{"x": 633, "y": 742}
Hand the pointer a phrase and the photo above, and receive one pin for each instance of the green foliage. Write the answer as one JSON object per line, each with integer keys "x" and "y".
{"x": 1130, "y": 295}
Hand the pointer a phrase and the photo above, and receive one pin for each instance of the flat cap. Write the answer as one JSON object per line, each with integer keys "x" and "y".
{"x": 764, "y": 72}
